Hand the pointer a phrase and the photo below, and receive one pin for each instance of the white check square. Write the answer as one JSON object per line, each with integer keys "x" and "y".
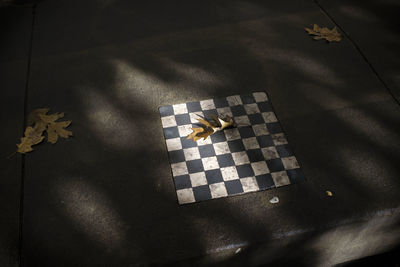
{"x": 203, "y": 142}
{"x": 232, "y": 134}
{"x": 260, "y": 96}
{"x": 280, "y": 178}
{"x": 196, "y": 115}
{"x": 251, "y": 108}
{"x": 290, "y": 163}
{"x": 260, "y": 168}
{"x": 249, "y": 184}
{"x": 242, "y": 121}
{"x": 185, "y": 196}
{"x": 270, "y": 152}
{"x": 240, "y": 158}
{"x": 234, "y": 100}
{"x": 229, "y": 173}
{"x": 224, "y": 111}
{"x": 180, "y": 109}
{"x": 260, "y": 129}
{"x": 218, "y": 190}
{"x": 207, "y": 104}
{"x": 198, "y": 179}
{"x": 173, "y": 144}
{"x": 221, "y": 148}
{"x": 168, "y": 121}
{"x": 210, "y": 163}
{"x": 184, "y": 130}
{"x": 269, "y": 117}
{"x": 191, "y": 153}
{"x": 250, "y": 143}
{"x": 179, "y": 169}
{"x": 279, "y": 139}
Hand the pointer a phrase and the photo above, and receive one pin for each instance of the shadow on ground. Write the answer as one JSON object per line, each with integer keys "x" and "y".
{"x": 106, "y": 197}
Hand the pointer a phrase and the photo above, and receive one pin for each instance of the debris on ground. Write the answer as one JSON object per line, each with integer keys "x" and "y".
{"x": 324, "y": 33}
{"x": 274, "y": 200}
{"x": 38, "y": 123}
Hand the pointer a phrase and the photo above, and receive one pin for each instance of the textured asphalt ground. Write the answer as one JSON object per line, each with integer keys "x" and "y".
{"x": 106, "y": 198}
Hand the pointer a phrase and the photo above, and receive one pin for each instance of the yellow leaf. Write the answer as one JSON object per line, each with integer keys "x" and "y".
{"x": 324, "y": 33}
{"x": 56, "y": 129}
{"x": 41, "y": 122}
{"x": 209, "y": 127}
{"x": 32, "y": 137}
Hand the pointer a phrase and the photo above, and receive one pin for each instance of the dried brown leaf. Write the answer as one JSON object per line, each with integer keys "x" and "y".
{"x": 32, "y": 137}
{"x": 56, "y": 129}
{"x": 324, "y": 33}
{"x": 39, "y": 121}
{"x": 210, "y": 127}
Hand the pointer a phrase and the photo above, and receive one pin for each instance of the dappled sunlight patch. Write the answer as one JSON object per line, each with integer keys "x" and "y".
{"x": 306, "y": 65}
{"x": 216, "y": 237}
{"x": 373, "y": 172}
{"x": 358, "y": 13}
{"x": 357, "y": 240}
{"x": 109, "y": 123}
{"x": 148, "y": 89}
{"x": 91, "y": 211}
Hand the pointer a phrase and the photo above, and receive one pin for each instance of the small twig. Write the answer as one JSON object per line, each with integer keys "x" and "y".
{"x": 10, "y": 156}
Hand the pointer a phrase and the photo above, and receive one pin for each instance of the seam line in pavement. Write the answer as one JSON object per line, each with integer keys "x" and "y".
{"x": 359, "y": 51}
{"x": 25, "y": 115}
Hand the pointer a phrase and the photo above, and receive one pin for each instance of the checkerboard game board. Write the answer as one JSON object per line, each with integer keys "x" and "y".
{"x": 250, "y": 157}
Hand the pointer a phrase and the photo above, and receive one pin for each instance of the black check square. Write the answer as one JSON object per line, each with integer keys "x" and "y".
{"x": 206, "y": 151}
{"x": 182, "y": 182}
{"x": 245, "y": 171}
{"x": 284, "y": 151}
{"x": 234, "y": 169}
{"x": 182, "y": 119}
{"x": 187, "y": 143}
{"x": 208, "y": 113}
{"x": 166, "y": 111}
{"x": 275, "y": 165}
{"x": 218, "y": 137}
{"x": 214, "y": 176}
{"x": 233, "y": 187}
{"x": 202, "y": 193}
{"x": 295, "y": 175}
{"x": 225, "y": 160}
{"x": 193, "y": 107}
{"x": 256, "y": 118}
{"x": 264, "y": 107}
{"x": 238, "y": 111}
{"x": 236, "y": 145}
{"x": 247, "y": 99}
{"x": 274, "y": 127}
{"x": 265, "y": 141}
{"x": 221, "y": 103}
{"x": 176, "y": 156}
{"x": 171, "y": 132}
{"x": 265, "y": 181}
{"x": 255, "y": 155}
{"x": 246, "y": 132}
{"x": 194, "y": 166}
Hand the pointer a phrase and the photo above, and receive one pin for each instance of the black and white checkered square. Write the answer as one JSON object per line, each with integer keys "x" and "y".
{"x": 251, "y": 157}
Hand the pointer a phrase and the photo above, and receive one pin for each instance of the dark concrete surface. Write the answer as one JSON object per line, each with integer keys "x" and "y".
{"x": 105, "y": 197}
{"x": 375, "y": 26}
{"x": 15, "y": 30}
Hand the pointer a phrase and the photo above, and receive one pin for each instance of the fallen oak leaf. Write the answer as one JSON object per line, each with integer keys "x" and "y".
{"x": 41, "y": 121}
{"x": 56, "y": 129}
{"x": 324, "y": 33}
{"x": 209, "y": 127}
{"x": 32, "y": 137}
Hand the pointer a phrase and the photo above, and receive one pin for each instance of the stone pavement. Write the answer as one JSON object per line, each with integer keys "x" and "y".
{"x": 106, "y": 198}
